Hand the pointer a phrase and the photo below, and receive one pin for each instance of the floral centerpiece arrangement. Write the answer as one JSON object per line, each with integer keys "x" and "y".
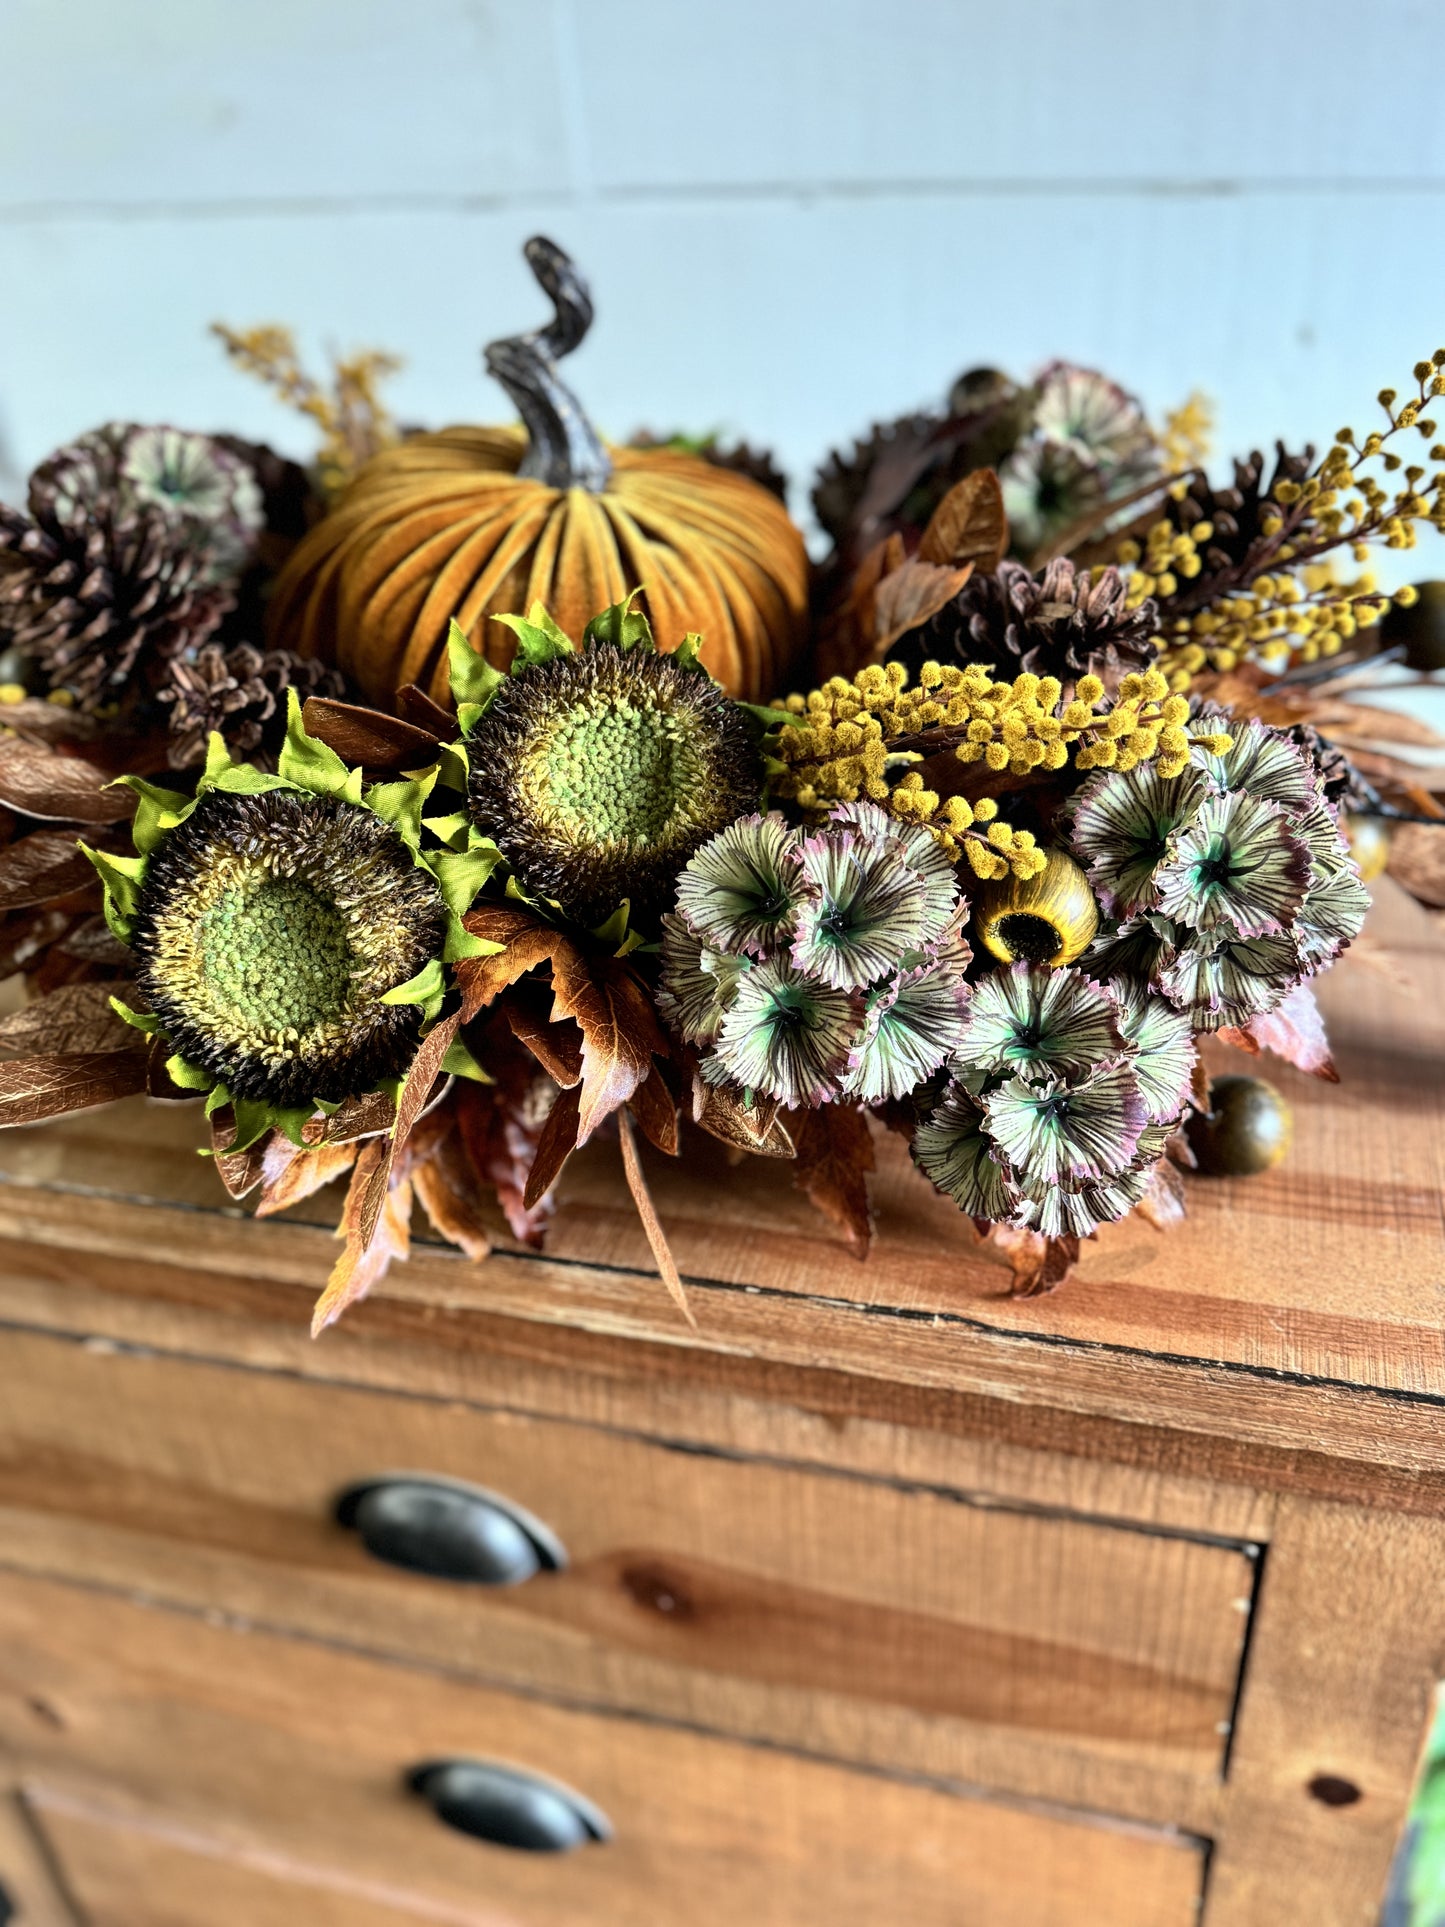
{"x": 427, "y": 812}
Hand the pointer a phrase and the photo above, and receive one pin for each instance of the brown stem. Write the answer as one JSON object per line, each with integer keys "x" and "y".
{"x": 564, "y": 450}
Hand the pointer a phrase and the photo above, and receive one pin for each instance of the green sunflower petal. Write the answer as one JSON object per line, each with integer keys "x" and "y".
{"x": 1027, "y": 1015}
{"x": 1049, "y": 1129}
{"x": 1237, "y": 869}
{"x": 954, "y": 1152}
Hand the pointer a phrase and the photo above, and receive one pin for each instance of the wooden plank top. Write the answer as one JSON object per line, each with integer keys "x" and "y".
{"x": 1281, "y": 1295}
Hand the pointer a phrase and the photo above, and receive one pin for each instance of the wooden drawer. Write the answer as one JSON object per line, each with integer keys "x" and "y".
{"x": 267, "y": 1745}
{"x": 1088, "y": 1662}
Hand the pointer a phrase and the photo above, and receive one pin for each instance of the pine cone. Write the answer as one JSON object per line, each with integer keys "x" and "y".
{"x": 1062, "y": 623}
{"x": 241, "y": 693}
{"x": 756, "y": 463}
{"x": 1236, "y": 515}
{"x": 103, "y": 602}
{"x": 1342, "y": 783}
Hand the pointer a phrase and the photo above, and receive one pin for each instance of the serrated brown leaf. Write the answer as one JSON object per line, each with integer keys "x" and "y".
{"x": 75, "y": 1018}
{"x": 40, "y": 867}
{"x": 354, "y": 1117}
{"x": 288, "y": 1175}
{"x": 1295, "y": 1031}
{"x": 834, "y": 1157}
{"x": 370, "y": 1248}
{"x": 1163, "y": 1204}
{"x": 425, "y": 1069}
{"x": 912, "y": 595}
{"x": 656, "y": 1113}
{"x": 368, "y": 738}
{"x": 528, "y": 942}
{"x": 41, "y": 782}
{"x": 500, "y": 1125}
{"x": 239, "y": 1171}
{"x": 555, "y": 1144}
{"x": 969, "y": 525}
{"x": 556, "y": 1047}
{"x": 53, "y": 1084}
{"x": 762, "y": 1129}
{"x": 1417, "y": 861}
{"x": 447, "y": 1187}
{"x": 1039, "y": 1264}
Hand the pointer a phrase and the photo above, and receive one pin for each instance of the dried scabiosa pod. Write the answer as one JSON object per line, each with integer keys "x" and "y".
{"x": 1062, "y": 1096}
{"x": 598, "y": 770}
{"x": 817, "y": 967}
{"x": 1224, "y": 885}
{"x": 287, "y": 931}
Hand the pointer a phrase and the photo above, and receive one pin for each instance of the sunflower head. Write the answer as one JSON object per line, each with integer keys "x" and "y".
{"x": 598, "y": 771}
{"x": 288, "y": 934}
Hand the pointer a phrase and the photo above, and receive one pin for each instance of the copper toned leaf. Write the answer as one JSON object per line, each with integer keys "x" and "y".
{"x": 969, "y": 525}
{"x": 413, "y": 705}
{"x": 760, "y": 1128}
{"x": 368, "y": 738}
{"x": 449, "y": 1192}
{"x": 910, "y": 596}
{"x": 54, "y": 1084}
{"x": 1163, "y": 1204}
{"x": 289, "y": 1175}
{"x": 1039, "y": 1264}
{"x": 355, "y": 1117}
{"x": 39, "y": 867}
{"x": 368, "y": 1253}
{"x": 656, "y": 1113}
{"x": 41, "y": 782}
{"x": 239, "y": 1171}
{"x": 1295, "y": 1031}
{"x": 77, "y": 1017}
{"x": 835, "y": 1155}
{"x": 610, "y": 1004}
{"x": 500, "y": 1126}
{"x": 556, "y": 1047}
{"x": 527, "y": 941}
{"x": 425, "y": 1069}
{"x": 556, "y": 1143}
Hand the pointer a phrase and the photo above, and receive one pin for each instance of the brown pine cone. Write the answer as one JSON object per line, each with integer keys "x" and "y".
{"x": 1236, "y": 550}
{"x": 103, "y": 602}
{"x": 1062, "y": 623}
{"x": 241, "y": 693}
{"x": 1341, "y": 782}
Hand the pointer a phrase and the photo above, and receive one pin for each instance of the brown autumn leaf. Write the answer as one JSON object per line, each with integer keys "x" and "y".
{"x": 1039, "y": 1264}
{"x": 425, "y": 1069}
{"x": 761, "y": 1128}
{"x": 239, "y": 1171}
{"x": 52, "y": 1084}
{"x": 1417, "y": 861}
{"x": 47, "y": 864}
{"x": 834, "y": 1157}
{"x": 969, "y": 525}
{"x": 656, "y": 1113}
{"x": 909, "y": 597}
{"x": 556, "y": 1047}
{"x": 75, "y": 1018}
{"x": 370, "y": 1247}
{"x": 556, "y": 1142}
{"x": 91, "y": 942}
{"x": 603, "y": 995}
{"x": 500, "y": 1125}
{"x": 41, "y": 782}
{"x": 365, "y": 1116}
{"x": 651, "y": 1224}
{"x": 368, "y": 738}
{"x": 413, "y": 705}
{"x": 446, "y": 1184}
{"x": 1293, "y": 1030}
{"x": 288, "y": 1175}
{"x": 1163, "y": 1204}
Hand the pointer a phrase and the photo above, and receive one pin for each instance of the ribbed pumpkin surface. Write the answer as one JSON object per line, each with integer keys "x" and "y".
{"x": 441, "y": 526}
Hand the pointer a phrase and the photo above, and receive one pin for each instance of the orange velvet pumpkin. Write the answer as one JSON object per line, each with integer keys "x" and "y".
{"x": 477, "y": 522}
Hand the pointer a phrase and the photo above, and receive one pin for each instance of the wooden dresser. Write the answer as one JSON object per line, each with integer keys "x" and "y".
{"x": 879, "y": 1598}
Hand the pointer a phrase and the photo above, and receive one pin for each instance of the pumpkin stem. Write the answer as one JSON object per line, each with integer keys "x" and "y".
{"x": 564, "y": 449}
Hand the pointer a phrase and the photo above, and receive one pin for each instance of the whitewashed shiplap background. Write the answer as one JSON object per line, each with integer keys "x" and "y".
{"x": 798, "y": 215}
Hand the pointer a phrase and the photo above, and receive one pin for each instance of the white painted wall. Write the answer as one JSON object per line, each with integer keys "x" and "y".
{"x": 797, "y": 214}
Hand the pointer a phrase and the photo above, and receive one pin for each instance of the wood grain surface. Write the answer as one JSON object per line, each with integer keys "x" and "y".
{"x": 297, "y": 1749}
{"x": 931, "y": 1629}
{"x": 29, "y": 1868}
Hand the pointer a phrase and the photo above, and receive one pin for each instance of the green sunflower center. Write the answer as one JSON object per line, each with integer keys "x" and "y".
{"x": 277, "y": 955}
{"x": 619, "y": 772}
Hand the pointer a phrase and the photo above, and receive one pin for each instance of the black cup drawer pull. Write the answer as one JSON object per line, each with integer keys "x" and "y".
{"x": 450, "y": 1530}
{"x": 508, "y": 1807}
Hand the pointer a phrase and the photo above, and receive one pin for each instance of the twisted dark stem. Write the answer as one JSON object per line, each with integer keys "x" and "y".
{"x": 564, "y": 450}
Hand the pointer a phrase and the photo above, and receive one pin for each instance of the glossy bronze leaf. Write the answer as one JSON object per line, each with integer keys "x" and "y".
{"x": 54, "y": 1084}
{"x": 969, "y": 525}
{"x": 370, "y": 1248}
{"x": 41, "y": 782}
{"x": 556, "y": 1142}
{"x": 449, "y": 1190}
{"x": 912, "y": 595}
{"x": 368, "y": 738}
{"x": 289, "y": 1175}
{"x": 40, "y": 867}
